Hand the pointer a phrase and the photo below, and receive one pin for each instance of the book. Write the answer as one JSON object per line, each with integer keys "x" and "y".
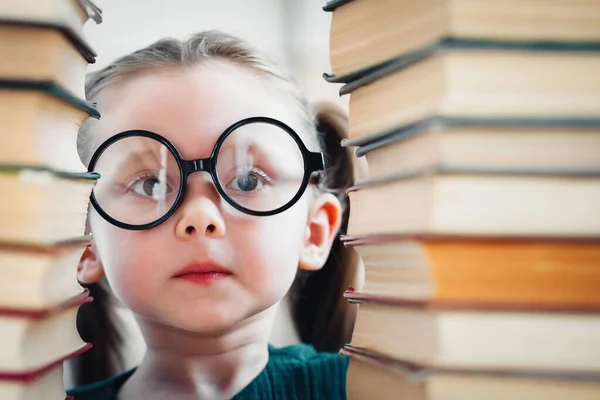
{"x": 48, "y": 387}
{"x": 473, "y": 145}
{"x": 34, "y": 53}
{"x": 39, "y": 277}
{"x": 371, "y": 375}
{"x": 64, "y": 16}
{"x": 94, "y": 12}
{"x": 71, "y": 13}
{"x": 43, "y": 121}
{"x": 507, "y": 271}
{"x": 45, "y": 189}
{"x": 488, "y": 203}
{"x": 331, "y": 5}
{"x": 50, "y": 89}
{"x": 31, "y": 341}
{"x": 365, "y": 33}
{"x": 478, "y": 221}
{"x": 38, "y": 210}
{"x": 479, "y": 337}
{"x": 477, "y": 82}
{"x": 27, "y": 385}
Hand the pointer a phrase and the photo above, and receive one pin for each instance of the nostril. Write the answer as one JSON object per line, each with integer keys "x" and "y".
{"x": 211, "y": 228}
{"x": 189, "y": 230}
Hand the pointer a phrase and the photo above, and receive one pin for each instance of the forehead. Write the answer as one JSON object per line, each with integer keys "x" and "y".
{"x": 192, "y": 106}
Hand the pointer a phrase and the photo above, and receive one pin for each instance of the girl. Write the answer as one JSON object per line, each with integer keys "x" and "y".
{"x": 213, "y": 203}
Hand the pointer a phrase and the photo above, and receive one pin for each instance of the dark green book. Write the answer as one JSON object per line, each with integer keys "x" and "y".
{"x": 333, "y": 4}
{"x": 365, "y": 76}
{"x": 47, "y": 172}
{"x": 52, "y": 89}
{"x": 367, "y": 143}
{"x": 75, "y": 38}
{"x": 482, "y": 80}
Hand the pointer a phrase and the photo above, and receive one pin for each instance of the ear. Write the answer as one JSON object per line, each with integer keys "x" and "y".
{"x": 324, "y": 219}
{"x": 90, "y": 269}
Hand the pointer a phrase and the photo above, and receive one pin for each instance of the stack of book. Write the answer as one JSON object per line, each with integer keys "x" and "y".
{"x": 479, "y": 220}
{"x": 44, "y": 191}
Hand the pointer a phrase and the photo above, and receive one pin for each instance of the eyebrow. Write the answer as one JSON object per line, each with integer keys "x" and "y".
{"x": 260, "y": 146}
{"x": 253, "y": 149}
{"x": 274, "y": 161}
{"x": 145, "y": 157}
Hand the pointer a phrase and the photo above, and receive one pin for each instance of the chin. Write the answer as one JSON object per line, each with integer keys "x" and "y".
{"x": 207, "y": 320}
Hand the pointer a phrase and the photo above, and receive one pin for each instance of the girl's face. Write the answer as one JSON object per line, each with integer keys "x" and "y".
{"x": 191, "y": 107}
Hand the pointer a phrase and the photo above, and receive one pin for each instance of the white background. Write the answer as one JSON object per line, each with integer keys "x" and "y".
{"x": 294, "y": 32}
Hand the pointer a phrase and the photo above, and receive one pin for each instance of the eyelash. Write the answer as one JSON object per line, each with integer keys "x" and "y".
{"x": 260, "y": 173}
{"x": 140, "y": 177}
{"x": 264, "y": 177}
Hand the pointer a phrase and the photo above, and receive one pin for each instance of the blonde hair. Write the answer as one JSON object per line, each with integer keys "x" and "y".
{"x": 319, "y": 310}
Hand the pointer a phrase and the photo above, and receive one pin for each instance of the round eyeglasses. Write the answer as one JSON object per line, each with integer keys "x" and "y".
{"x": 258, "y": 165}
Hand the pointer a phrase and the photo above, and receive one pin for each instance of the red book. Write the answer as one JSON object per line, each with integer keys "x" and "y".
{"x": 33, "y": 340}
{"x": 43, "y": 383}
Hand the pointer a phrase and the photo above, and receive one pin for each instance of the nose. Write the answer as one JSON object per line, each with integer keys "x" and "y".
{"x": 200, "y": 215}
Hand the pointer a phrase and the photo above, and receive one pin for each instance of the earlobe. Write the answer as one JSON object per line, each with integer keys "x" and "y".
{"x": 323, "y": 224}
{"x": 90, "y": 269}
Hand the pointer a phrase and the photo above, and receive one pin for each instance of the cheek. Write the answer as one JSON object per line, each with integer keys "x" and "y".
{"x": 269, "y": 251}
{"x": 130, "y": 272}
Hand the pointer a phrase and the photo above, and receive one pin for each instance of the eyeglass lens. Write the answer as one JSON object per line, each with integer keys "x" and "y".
{"x": 259, "y": 166}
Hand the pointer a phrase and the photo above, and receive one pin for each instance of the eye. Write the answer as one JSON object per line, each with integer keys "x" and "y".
{"x": 248, "y": 181}
{"x": 150, "y": 186}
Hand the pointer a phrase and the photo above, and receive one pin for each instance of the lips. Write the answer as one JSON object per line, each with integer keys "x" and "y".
{"x": 203, "y": 273}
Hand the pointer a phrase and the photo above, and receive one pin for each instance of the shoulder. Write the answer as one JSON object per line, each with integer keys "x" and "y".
{"x": 300, "y": 372}
{"x": 102, "y": 390}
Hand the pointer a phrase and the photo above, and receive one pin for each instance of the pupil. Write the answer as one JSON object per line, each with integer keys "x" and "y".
{"x": 149, "y": 186}
{"x": 247, "y": 182}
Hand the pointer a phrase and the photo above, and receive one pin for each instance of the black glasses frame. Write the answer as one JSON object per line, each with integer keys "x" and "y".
{"x": 313, "y": 162}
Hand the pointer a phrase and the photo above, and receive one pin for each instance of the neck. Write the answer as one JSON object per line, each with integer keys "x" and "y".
{"x": 214, "y": 365}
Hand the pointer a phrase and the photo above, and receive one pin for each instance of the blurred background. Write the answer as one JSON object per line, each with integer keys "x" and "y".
{"x": 293, "y": 32}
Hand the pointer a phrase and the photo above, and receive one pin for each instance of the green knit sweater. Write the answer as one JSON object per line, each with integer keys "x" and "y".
{"x": 295, "y": 372}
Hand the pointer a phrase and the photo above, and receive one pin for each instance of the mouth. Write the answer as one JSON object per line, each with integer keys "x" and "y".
{"x": 204, "y": 273}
